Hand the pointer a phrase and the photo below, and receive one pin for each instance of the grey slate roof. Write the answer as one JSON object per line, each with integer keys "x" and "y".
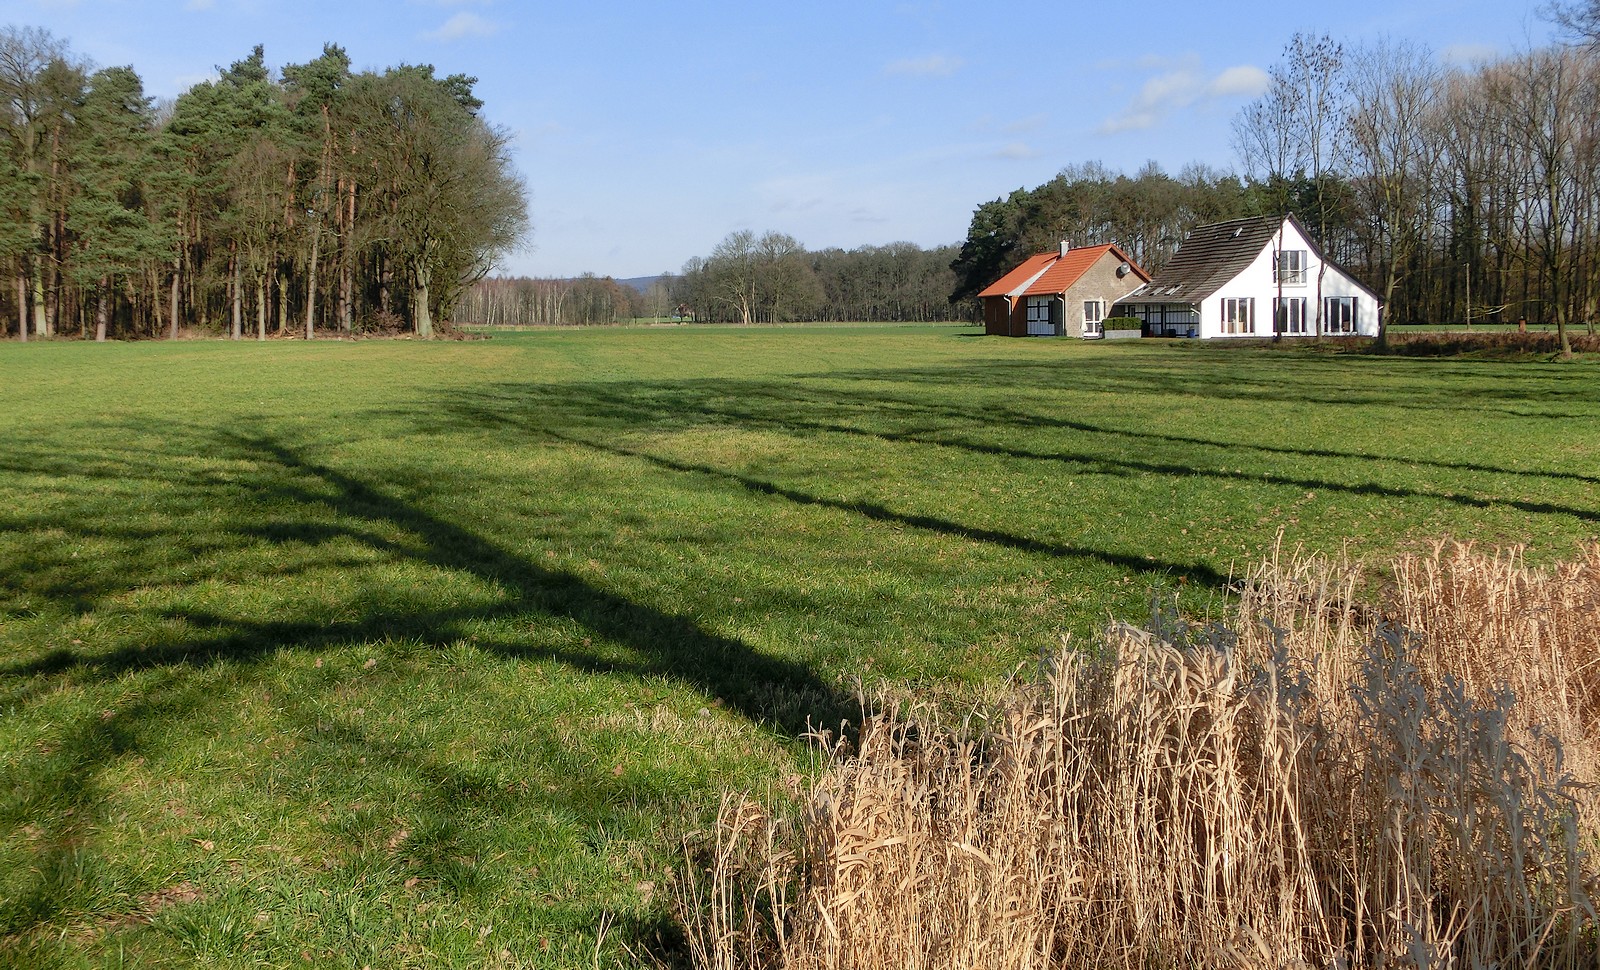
{"x": 1208, "y": 257}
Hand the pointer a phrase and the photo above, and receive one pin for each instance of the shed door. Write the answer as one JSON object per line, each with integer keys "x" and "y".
{"x": 1039, "y": 322}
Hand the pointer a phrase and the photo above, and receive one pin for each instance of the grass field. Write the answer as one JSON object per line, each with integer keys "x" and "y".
{"x": 396, "y": 654}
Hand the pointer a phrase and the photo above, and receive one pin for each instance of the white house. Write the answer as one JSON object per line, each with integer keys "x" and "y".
{"x": 1255, "y": 277}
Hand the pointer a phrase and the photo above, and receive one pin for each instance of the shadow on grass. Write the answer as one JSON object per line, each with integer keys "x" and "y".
{"x": 764, "y": 689}
{"x": 941, "y": 412}
{"x": 56, "y": 809}
{"x": 1008, "y": 416}
{"x": 57, "y": 794}
{"x": 810, "y": 408}
{"x": 1265, "y": 376}
{"x": 1196, "y": 572}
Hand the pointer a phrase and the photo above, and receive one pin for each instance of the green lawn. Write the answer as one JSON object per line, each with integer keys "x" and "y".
{"x": 397, "y": 654}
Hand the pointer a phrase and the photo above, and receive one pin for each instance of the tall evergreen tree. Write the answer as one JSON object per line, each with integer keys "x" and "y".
{"x": 113, "y": 238}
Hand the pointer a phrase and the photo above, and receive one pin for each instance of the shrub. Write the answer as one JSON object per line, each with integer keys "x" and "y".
{"x": 1495, "y": 343}
{"x": 1122, "y": 323}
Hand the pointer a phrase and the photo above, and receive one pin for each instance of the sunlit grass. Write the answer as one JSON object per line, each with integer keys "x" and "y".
{"x": 425, "y": 655}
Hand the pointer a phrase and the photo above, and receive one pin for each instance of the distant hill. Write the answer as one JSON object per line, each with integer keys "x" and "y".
{"x": 641, "y": 283}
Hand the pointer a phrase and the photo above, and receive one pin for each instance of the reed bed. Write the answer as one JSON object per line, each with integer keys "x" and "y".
{"x": 1321, "y": 780}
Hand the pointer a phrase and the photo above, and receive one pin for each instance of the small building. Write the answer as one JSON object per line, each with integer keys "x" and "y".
{"x": 1067, "y": 293}
{"x": 1256, "y": 277}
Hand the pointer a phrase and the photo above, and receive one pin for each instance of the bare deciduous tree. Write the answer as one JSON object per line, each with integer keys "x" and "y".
{"x": 1392, "y": 136}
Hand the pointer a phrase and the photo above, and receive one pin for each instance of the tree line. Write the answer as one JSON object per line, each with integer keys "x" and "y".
{"x": 1458, "y": 193}
{"x": 295, "y": 201}
{"x": 772, "y": 278}
{"x": 747, "y": 278}
{"x": 582, "y": 301}
{"x": 1146, "y": 215}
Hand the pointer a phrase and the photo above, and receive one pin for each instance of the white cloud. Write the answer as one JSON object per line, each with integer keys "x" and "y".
{"x": 796, "y": 194}
{"x": 1024, "y": 125}
{"x": 989, "y": 124}
{"x": 462, "y": 25}
{"x": 1016, "y": 150}
{"x": 796, "y": 205}
{"x": 1183, "y": 85}
{"x": 1466, "y": 55}
{"x": 1245, "y": 81}
{"x": 934, "y": 65}
{"x": 184, "y": 82}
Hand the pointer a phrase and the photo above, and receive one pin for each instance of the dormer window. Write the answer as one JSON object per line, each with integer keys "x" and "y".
{"x": 1291, "y": 267}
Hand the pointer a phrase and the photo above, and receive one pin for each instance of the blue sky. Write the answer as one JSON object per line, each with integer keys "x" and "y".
{"x": 646, "y": 132}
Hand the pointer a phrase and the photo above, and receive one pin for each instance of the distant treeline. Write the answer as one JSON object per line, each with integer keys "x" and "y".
{"x": 1456, "y": 193}
{"x": 523, "y": 302}
{"x": 747, "y": 279}
{"x": 256, "y": 203}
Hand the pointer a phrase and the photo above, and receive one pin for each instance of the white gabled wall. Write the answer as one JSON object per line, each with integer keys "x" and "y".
{"x": 1256, "y": 282}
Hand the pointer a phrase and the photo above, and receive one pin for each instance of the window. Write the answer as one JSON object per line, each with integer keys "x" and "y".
{"x": 1239, "y": 315}
{"x": 1340, "y": 314}
{"x": 1291, "y": 269}
{"x": 1094, "y": 314}
{"x": 1291, "y": 315}
{"x": 1039, "y": 324}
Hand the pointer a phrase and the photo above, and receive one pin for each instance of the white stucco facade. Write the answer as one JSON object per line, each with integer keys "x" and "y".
{"x": 1312, "y": 297}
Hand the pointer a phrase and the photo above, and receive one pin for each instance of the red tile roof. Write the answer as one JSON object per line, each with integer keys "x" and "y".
{"x": 1054, "y": 273}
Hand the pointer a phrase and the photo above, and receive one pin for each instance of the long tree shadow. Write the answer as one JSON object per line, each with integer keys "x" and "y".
{"x": 61, "y": 798}
{"x": 1275, "y": 377}
{"x": 61, "y": 794}
{"x": 1192, "y": 572}
{"x": 1014, "y": 417}
{"x": 533, "y": 408}
{"x": 784, "y": 694}
{"x": 783, "y": 403}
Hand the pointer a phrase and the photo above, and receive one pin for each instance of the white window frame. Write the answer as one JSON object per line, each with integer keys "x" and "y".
{"x": 1341, "y": 314}
{"x": 1289, "y": 267}
{"x": 1289, "y": 315}
{"x": 1094, "y": 318}
{"x": 1239, "y": 315}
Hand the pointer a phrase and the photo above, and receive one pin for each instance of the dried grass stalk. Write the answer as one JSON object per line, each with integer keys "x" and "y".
{"x": 1313, "y": 783}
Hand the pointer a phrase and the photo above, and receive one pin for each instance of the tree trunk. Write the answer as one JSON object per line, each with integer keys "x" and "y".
{"x": 175, "y": 287}
{"x": 261, "y": 307}
{"x": 22, "y": 307}
{"x": 55, "y": 315}
{"x": 420, "y": 310}
{"x": 41, "y": 322}
{"x": 346, "y": 310}
{"x": 347, "y": 300}
{"x": 102, "y": 310}
{"x": 385, "y": 277}
{"x": 311, "y": 281}
{"x": 283, "y": 303}
{"x": 237, "y": 288}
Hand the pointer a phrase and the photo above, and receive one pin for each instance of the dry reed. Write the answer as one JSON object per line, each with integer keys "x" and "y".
{"x": 1313, "y": 783}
